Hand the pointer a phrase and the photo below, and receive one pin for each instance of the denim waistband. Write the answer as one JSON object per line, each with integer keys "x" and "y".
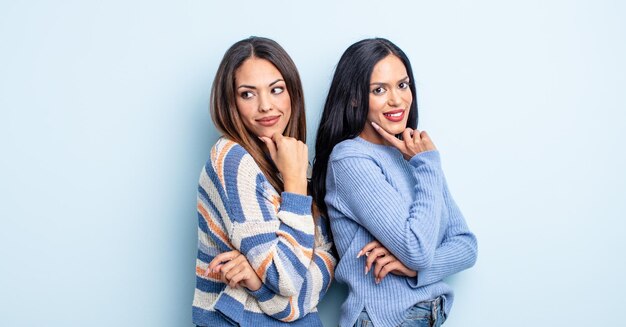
{"x": 438, "y": 301}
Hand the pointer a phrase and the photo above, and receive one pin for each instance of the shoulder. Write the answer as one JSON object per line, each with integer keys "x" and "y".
{"x": 350, "y": 148}
{"x": 228, "y": 156}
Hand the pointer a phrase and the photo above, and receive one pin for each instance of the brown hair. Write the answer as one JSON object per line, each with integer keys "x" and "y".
{"x": 224, "y": 110}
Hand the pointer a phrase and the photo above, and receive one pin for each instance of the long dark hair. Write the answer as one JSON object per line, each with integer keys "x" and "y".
{"x": 224, "y": 109}
{"x": 347, "y": 104}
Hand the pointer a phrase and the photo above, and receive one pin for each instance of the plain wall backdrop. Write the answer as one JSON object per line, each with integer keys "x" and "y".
{"x": 104, "y": 127}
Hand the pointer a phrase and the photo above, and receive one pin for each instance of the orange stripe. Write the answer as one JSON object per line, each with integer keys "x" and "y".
{"x": 220, "y": 160}
{"x": 263, "y": 267}
{"x": 213, "y": 153}
{"x": 201, "y": 272}
{"x": 276, "y": 202}
{"x": 213, "y": 226}
{"x": 295, "y": 243}
{"x": 328, "y": 261}
{"x": 293, "y": 312}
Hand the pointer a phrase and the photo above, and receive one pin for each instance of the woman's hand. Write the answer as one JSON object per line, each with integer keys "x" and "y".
{"x": 383, "y": 261}
{"x": 291, "y": 157}
{"x": 235, "y": 269}
{"x": 412, "y": 143}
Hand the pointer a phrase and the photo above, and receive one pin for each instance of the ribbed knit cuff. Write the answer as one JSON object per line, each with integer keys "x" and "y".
{"x": 426, "y": 157}
{"x": 262, "y": 294}
{"x": 296, "y": 203}
{"x": 413, "y": 281}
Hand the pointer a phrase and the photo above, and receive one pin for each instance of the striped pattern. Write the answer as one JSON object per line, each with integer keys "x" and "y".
{"x": 374, "y": 193}
{"x": 239, "y": 209}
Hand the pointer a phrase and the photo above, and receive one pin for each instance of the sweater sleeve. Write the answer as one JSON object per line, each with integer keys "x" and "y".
{"x": 457, "y": 251}
{"x": 316, "y": 283}
{"x": 409, "y": 231}
{"x": 276, "y": 234}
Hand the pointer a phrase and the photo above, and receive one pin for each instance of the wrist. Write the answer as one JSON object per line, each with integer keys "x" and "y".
{"x": 297, "y": 186}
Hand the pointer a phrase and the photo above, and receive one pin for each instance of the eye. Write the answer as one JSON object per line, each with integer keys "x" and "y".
{"x": 404, "y": 85}
{"x": 278, "y": 90}
{"x": 378, "y": 91}
{"x": 246, "y": 94}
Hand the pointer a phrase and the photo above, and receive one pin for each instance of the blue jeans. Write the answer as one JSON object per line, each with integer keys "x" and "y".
{"x": 424, "y": 314}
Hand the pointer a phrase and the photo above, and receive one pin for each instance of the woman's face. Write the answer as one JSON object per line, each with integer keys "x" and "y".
{"x": 261, "y": 97}
{"x": 390, "y": 99}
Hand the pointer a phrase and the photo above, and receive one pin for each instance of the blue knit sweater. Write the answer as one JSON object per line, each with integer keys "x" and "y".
{"x": 374, "y": 193}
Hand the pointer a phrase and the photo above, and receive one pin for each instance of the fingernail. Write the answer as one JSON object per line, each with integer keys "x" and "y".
{"x": 376, "y": 127}
{"x": 366, "y": 270}
{"x": 377, "y": 281}
{"x": 359, "y": 254}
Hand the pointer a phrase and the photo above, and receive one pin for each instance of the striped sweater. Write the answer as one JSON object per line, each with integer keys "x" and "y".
{"x": 374, "y": 193}
{"x": 239, "y": 209}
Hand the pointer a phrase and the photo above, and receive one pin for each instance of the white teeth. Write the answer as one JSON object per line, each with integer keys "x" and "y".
{"x": 394, "y": 115}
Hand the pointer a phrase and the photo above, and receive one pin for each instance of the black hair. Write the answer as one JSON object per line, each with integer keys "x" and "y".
{"x": 347, "y": 104}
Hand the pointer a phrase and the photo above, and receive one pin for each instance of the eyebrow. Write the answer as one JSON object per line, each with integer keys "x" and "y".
{"x": 254, "y": 87}
{"x": 381, "y": 83}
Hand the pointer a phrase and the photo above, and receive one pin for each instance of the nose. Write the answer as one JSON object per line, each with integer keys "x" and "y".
{"x": 394, "y": 98}
{"x": 264, "y": 103}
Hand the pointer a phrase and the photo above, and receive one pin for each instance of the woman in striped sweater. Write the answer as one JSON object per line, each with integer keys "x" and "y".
{"x": 264, "y": 256}
{"x": 397, "y": 229}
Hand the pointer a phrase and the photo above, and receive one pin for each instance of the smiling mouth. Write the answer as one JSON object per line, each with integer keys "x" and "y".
{"x": 268, "y": 121}
{"x": 395, "y": 115}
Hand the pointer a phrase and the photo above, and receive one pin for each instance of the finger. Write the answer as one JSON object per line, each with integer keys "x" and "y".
{"x": 232, "y": 272}
{"x": 428, "y": 142}
{"x": 208, "y": 272}
{"x": 417, "y": 135}
{"x": 382, "y": 262}
{"x": 277, "y": 137}
{"x": 407, "y": 137}
{"x": 377, "y": 252}
{"x": 388, "y": 137}
{"x": 232, "y": 264}
{"x": 221, "y": 258}
{"x": 236, "y": 279}
{"x": 396, "y": 265}
{"x": 368, "y": 247}
{"x": 271, "y": 146}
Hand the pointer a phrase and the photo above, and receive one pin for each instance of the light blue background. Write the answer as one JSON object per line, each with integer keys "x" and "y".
{"x": 104, "y": 127}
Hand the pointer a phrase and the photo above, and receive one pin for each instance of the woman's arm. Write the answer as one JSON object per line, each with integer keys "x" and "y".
{"x": 275, "y": 234}
{"x": 457, "y": 251}
{"x": 316, "y": 283}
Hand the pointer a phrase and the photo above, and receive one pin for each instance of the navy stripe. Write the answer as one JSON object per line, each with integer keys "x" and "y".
{"x": 267, "y": 207}
{"x": 230, "y": 308}
{"x": 304, "y": 239}
{"x": 208, "y": 286}
{"x": 296, "y": 203}
{"x": 203, "y": 317}
{"x": 292, "y": 258}
{"x": 207, "y": 201}
{"x": 271, "y": 279}
{"x": 302, "y": 296}
{"x": 202, "y": 223}
{"x": 325, "y": 273}
{"x": 232, "y": 161}
{"x": 205, "y": 257}
{"x": 262, "y": 294}
{"x": 262, "y": 320}
{"x": 251, "y": 241}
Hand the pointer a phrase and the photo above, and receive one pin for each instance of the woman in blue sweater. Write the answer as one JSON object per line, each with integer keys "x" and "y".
{"x": 263, "y": 259}
{"x": 397, "y": 229}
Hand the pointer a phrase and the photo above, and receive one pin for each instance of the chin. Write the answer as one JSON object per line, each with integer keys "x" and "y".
{"x": 395, "y": 130}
